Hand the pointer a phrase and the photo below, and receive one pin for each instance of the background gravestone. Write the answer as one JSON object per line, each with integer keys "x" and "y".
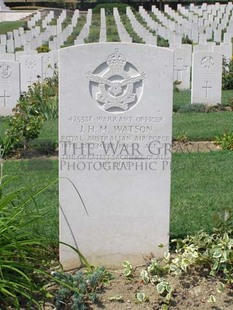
{"x": 9, "y": 86}
{"x": 115, "y": 136}
{"x": 206, "y": 78}
{"x": 30, "y": 70}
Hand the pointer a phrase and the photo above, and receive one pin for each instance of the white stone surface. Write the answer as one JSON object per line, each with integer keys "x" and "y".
{"x": 48, "y": 64}
{"x": 3, "y": 7}
{"x": 206, "y": 78}
{"x": 13, "y": 15}
{"x": 2, "y": 48}
{"x": 182, "y": 62}
{"x": 9, "y": 86}
{"x": 7, "y": 56}
{"x": 30, "y": 70}
{"x": 118, "y": 102}
{"x": 225, "y": 49}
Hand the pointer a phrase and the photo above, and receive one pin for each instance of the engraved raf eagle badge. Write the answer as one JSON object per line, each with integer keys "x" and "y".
{"x": 5, "y": 71}
{"x": 119, "y": 84}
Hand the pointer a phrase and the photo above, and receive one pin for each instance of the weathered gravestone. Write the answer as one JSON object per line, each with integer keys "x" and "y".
{"x": 115, "y": 136}
{"x": 182, "y": 64}
{"x": 206, "y": 78}
{"x": 9, "y": 86}
{"x": 30, "y": 70}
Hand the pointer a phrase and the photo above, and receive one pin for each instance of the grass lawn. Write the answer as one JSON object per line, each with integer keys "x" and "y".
{"x": 193, "y": 126}
{"x": 202, "y": 126}
{"x": 9, "y": 26}
{"x": 182, "y": 98}
{"x": 201, "y": 186}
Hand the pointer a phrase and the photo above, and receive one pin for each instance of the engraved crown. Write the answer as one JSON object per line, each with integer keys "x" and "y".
{"x": 116, "y": 60}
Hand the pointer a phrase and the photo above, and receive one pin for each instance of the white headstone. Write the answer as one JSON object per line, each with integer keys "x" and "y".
{"x": 48, "y": 64}
{"x": 10, "y": 46}
{"x": 225, "y": 49}
{"x": 30, "y": 70}
{"x": 182, "y": 61}
{"x": 115, "y": 132}
{"x": 2, "y": 48}
{"x": 7, "y": 56}
{"x": 9, "y": 86}
{"x": 206, "y": 78}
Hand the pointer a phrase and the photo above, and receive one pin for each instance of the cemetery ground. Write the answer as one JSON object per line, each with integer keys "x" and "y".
{"x": 198, "y": 277}
{"x": 197, "y": 273}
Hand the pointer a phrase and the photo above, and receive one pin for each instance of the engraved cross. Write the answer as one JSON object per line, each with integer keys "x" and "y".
{"x": 179, "y": 72}
{"x": 179, "y": 68}
{"x": 4, "y": 98}
{"x": 206, "y": 87}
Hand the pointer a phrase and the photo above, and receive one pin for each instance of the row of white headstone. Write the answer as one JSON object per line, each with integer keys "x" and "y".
{"x": 172, "y": 29}
{"x": 174, "y": 32}
{"x": 35, "y": 66}
{"x": 36, "y": 35}
{"x": 30, "y": 68}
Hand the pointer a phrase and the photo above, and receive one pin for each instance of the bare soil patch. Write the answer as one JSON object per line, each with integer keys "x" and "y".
{"x": 194, "y": 146}
{"x": 190, "y": 291}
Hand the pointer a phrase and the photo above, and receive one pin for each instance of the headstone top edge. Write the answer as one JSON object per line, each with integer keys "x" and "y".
{"x": 104, "y": 44}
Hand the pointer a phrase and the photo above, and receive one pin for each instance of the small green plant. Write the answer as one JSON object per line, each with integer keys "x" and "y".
{"x": 225, "y": 141}
{"x": 211, "y": 299}
{"x": 23, "y": 127}
{"x": 164, "y": 289}
{"x": 176, "y": 85}
{"x": 40, "y": 103}
{"x": 186, "y": 40}
{"x": 43, "y": 49}
{"x": 213, "y": 252}
{"x": 162, "y": 42}
{"x": 230, "y": 103}
{"x": 183, "y": 138}
{"x": 145, "y": 277}
{"x": 142, "y": 297}
{"x": 227, "y": 75}
{"x": 117, "y": 298}
{"x": 128, "y": 269}
{"x": 25, "y": 256}
{"x": 78, "y": 290}
{"x": 223, "y": 220}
